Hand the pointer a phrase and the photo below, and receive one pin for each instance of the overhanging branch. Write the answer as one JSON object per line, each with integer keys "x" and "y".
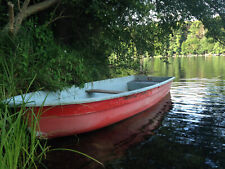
{"x": 39, "y": 7}
{"x": 26, "y": 11}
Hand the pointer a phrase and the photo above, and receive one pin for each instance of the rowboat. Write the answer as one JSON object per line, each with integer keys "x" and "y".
{"x": 98, "y": 104}
{"x": 111, "y": 142}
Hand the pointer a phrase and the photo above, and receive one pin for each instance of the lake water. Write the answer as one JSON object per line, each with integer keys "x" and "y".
{"x": 186, "y": 130}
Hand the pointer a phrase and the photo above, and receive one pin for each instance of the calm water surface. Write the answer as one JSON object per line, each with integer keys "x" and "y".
{"x": 191, "y": 135}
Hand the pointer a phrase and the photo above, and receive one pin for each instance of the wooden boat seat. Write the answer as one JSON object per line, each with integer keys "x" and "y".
{"x": 103, "y": 91}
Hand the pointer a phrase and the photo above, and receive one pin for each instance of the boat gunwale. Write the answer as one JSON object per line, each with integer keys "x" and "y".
{"x": 90, "y": 100}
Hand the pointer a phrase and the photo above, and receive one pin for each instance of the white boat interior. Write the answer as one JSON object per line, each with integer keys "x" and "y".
{"x": 92, "y": 91}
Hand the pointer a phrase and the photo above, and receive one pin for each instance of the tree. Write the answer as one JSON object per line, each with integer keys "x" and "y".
{"x": 218, "y": 48}
{"x": 197, "y": 42}
{"x": 211, "y": 14}
{"x": 24, "y": 10}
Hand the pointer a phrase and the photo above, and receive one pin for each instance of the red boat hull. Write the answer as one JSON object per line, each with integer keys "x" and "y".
{"x": 63, "y": 120}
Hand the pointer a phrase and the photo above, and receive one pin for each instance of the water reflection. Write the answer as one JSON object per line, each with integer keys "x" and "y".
{"x": 192, "y": 134}
{"x": 199, "y": 108}
{"x": 108, "y": 143}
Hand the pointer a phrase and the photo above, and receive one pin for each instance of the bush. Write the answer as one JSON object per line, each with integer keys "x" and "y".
{"x": 34, "y": 54}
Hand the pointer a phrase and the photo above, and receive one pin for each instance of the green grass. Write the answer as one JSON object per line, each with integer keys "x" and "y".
{"x": 19, "y": 147}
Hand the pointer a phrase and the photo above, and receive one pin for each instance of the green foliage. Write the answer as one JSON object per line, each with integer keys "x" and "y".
{"x": 191, "y": 38}
{"x": 205, "y": 11}
{"x": 19, "y": 147}
{"x": 202, "y": 10}
{"x": 218, "y": 48}
{"x": 34, "y": 53}
{"x": 127, "y": 29}
{"x": 216, "y": 29}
